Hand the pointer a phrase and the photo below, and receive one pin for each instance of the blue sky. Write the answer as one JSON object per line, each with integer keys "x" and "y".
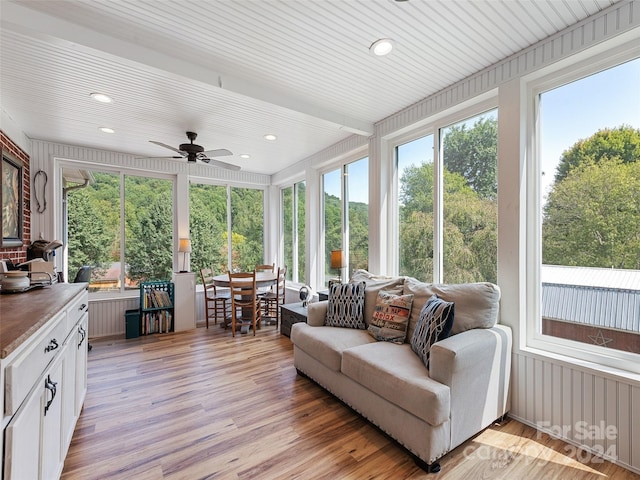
{"x": 569, "y": 113}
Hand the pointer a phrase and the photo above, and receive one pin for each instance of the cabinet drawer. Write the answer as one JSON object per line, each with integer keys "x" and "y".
{"x": 22, "y": 373}
{"x": 76, "y": 309}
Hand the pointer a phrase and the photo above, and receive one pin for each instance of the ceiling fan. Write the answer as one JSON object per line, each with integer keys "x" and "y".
{"x": 193, "y": 152}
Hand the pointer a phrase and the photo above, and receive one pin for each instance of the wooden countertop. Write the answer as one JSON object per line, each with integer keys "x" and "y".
{"x": 22, "y": 314}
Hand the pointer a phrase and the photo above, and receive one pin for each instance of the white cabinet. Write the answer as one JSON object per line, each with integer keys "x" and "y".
{"x": 45, "y": 385}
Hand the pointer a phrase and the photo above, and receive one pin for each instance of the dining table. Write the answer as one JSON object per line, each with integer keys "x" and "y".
{"x": 263, "y": 279}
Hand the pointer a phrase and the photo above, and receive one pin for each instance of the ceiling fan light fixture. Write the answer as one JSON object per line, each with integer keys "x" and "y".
{"x": 381, "y": 47}
{"x": 271, "y": 137}
{"x": 101, "y": 97}
{"x": 106, "y": 130}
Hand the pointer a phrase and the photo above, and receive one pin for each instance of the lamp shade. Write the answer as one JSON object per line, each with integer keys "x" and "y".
{"x": 185, "y": 245}
{"x": 337, "y": 259}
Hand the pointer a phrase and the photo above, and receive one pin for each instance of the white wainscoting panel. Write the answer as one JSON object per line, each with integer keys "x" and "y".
{"x": 598, "y": 412}
{"x": 106, "y": 317}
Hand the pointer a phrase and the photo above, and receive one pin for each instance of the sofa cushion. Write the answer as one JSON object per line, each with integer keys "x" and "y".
{"x": 376, "y": 283}
{"x": 391, "y": 317}
{"x": 434, "y": 324}
{"x": 395, "y": 373}
{"x": 476, "y": 303}
{"x": 326, "y": 344}
{"x": 346, "y": 305}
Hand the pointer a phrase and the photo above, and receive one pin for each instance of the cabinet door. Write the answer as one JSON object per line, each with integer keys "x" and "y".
{"x": 68, "y": 390}
{"x": 51, "y": 414}
{"x": 22, "y": 440}
{"x": 81, "y": 348}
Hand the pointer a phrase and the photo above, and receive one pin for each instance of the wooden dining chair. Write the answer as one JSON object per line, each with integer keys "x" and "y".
{"x": 264, "y": 268}
{"x": 271, "y": 301}
{"x": 245, "y": 304}
{"x": 216, "y": 302}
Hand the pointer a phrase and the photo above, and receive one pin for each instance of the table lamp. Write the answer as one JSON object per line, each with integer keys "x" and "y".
{"x": 338, "y": 262}
{"x": 184, "y": 247}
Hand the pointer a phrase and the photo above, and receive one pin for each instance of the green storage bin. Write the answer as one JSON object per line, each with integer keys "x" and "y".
{"x": 132, "y": 323}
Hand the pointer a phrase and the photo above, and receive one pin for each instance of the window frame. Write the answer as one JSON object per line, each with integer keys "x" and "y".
{"x": 228, "y": 186}
{"x": 340, "y": 165}
{"x": 60, "y": 164}
{"x": 295, "y": 250}
{"x": 532, "y": 337}
{"x": 473, "y": 108}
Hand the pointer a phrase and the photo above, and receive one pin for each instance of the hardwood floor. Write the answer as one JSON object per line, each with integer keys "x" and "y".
{"x": 202, "y": 404}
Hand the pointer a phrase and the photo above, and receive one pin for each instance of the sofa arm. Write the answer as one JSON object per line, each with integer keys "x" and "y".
{"x": 476, "y": 365}
{"x": 316, "y": 313}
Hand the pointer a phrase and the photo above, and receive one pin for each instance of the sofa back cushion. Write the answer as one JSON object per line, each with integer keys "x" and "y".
{"x": 346, "y": 305}
{"x": 476, "y": 303}
{"x": 374, "y": 284}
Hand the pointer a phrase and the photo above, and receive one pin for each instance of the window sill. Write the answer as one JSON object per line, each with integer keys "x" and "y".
{"x": 109, "y": 296}
{"x": 584, "y": 365}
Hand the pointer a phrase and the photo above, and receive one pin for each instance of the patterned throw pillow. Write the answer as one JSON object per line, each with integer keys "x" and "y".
{"x": 434, "y": 324}
{"x": 346, "y": 305}
{"x": 390, "y": 317}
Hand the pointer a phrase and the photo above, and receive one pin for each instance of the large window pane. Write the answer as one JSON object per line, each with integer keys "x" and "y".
{"x": 332, "y": 219}
{"x": 93, "y": 221}
{"x": 293, "y": 224}
{"x": 415, "y": 208}
{"x": 148, "y": 211}
{"x": 470, "y": 200}
{"x": 288, "y": 225}
{"x": 590, "y": 209}
{"x": 300, "y": 202}
{"x": 247, "y": 228}
{"x": 358, "y": 213}
{"x": 208, "y": 226}
{"x": 95, "y": 224}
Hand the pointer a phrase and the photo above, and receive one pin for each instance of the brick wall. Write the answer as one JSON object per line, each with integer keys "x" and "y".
{"x": 19, "y": 254}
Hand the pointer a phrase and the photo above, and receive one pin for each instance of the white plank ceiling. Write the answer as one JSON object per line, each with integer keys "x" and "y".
{"x": 234, "y": 70}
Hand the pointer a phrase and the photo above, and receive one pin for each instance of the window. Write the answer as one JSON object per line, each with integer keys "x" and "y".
{"x": 219, "y": 213}
{"x": 293, "y": 231}
{"x": 121, "y": 220}
{"x": 208, "y": 227}
{"x": 587, "y": 216}
{"x": 346, "y": 216}
{"x": 470, "y": 200}
{"x": 414, "y": 164}
{"x": 449, "y": 233}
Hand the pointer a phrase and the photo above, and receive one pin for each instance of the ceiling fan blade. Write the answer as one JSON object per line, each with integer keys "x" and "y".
{"x": 146, "y": 158}
{"x": 218, "y": 163}
{"x": 169, "y": 147}
{"x": 221, "y": 152}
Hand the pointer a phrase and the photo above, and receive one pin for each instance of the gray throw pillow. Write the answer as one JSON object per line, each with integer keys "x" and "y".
{"x": 346, "y": 305}
{"x": 434, "y": 324}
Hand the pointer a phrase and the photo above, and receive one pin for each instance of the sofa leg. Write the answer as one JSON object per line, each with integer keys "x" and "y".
{"x": 427, "y": 467}
{"x": 302, "y": 374}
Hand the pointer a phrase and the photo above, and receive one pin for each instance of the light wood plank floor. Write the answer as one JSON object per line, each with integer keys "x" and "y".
{"x": 202, "y": 404}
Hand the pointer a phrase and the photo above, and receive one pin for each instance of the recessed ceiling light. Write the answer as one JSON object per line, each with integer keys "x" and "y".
{"x": 381, "y": 47}
{"x": 101, "y": 97}
{"x": 245, "y": 155}
{"x": 270, "y": 136}
{"x": 106, "y": 130}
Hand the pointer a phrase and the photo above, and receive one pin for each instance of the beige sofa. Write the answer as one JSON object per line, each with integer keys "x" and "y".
{"x": 428, "y": 411}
